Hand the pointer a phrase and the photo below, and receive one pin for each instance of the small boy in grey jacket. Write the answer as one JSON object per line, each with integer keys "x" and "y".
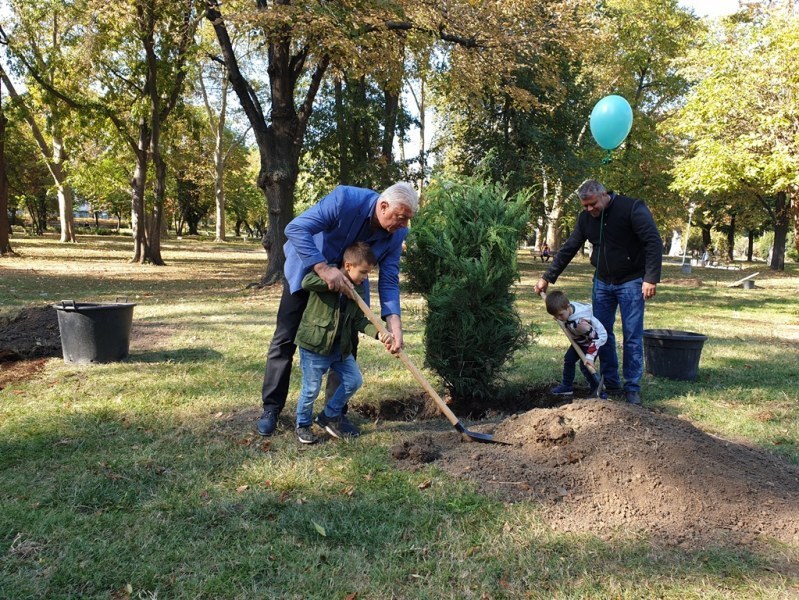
{"x": 587, "y": 332}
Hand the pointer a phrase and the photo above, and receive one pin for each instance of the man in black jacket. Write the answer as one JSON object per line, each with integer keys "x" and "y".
{"x": 627, "y": 253}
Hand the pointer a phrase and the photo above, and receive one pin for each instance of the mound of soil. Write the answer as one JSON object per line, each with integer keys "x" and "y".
{"x": 33, "y": 333}
{"x": 606, "y": 468}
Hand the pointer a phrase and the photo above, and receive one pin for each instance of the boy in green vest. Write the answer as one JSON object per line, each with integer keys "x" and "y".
{"x": 325, "y": 338}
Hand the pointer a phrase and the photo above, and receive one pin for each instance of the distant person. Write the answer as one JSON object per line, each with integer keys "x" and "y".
{"x": 587, "y": 332}
{"x": 325, "y": 334}
{"x": 316, "y": 241}
{"x": 627, "y": 254}
{"x": 546, "y": 253}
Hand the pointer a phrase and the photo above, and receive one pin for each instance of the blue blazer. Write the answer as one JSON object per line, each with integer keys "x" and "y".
{"x": 324, "y": 231}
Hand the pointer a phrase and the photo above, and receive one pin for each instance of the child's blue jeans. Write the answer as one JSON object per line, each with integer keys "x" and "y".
{"x": 314, "y": 366}
{"x": 569, "y": 359}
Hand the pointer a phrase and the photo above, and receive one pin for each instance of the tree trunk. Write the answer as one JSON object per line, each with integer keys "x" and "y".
{"x": 138, "y": 185}
{"x": 219, "y": 170}
{"x": 553, "y": 208}
{"x": 5, "y": 227}
{"x": 280, "y": 143}
{"x": 707, "y": 241}
{"x": 218, "y": 127}
{"x": 750, "y": 246}
{"x": 731, "y": 239}
{"x": 54, "y": 159}
{"x": 391, "y": 111}
{"x": 156, "y": 220}
{"x": 341, "y": 135}
{"x": 795, "y": 215}
{"x": 278, "y": 181}
{"x": 420, "y": 101}
{"x": 64, "y": 190}
{"x": 781, "y": 224}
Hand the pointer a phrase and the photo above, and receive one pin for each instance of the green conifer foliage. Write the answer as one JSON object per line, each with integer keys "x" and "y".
{"x": 462, "y": 257}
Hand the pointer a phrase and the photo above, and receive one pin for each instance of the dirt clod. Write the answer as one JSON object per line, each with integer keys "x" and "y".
{"x": 421, "y": 450}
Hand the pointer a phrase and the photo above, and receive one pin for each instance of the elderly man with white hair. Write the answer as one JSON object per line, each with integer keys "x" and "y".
{"x": 316, "y": 241}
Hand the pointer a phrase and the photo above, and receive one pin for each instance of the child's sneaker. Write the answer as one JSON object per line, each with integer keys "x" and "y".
{"x": 305, "y": 436}
{"x": 347, "y": 427}
{"x": 339, "y": 427}
{"x": 562, "y": 390}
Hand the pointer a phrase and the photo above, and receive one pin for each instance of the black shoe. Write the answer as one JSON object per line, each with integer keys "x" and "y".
{"x": 614, "y": 391}
{"x": 561, "y": 390}
{"x": 305, "y": 436}
{"x": 338, "y": 427}
{"x": 267, "y": 423}
{"x": 633, "y": 398}
{"x": 347, "y": 427}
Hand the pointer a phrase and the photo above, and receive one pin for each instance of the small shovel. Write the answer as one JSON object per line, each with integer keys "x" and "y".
{"x": 467, "y": 435}
{"x": 598, "y": 380}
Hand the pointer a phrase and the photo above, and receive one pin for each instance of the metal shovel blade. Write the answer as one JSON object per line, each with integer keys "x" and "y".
{"x": 474, "y": 436}
{"x": 600, "y": 386}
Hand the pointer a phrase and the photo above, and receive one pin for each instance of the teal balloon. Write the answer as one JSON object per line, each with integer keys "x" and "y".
{"x": 611, "y": 121}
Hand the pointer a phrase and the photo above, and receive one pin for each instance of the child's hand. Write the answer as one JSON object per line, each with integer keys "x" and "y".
{"x": 589, "y": 363}
{"x": 387, "y": 339}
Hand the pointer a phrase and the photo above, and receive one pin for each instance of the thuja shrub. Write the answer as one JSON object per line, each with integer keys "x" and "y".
{"x": 462, "y": 257}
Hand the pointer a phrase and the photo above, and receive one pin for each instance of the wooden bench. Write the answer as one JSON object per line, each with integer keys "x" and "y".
{"x": 535, "y": 253}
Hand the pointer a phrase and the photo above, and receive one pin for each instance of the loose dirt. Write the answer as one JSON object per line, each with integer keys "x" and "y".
{"x": 33, "y": 333}
{"x": 609, "y": 468}
{"x": 600, "y": 467}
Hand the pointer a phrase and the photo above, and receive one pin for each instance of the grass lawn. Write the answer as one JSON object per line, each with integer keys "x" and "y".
{"x": 145, "y": 478}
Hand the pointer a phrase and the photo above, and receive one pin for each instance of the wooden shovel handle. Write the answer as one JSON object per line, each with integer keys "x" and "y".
{"x": 575, "y": 345}
{"x": 408, "y": 363}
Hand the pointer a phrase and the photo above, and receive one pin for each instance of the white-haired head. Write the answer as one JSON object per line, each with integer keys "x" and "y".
{"x": 401, "y": 193}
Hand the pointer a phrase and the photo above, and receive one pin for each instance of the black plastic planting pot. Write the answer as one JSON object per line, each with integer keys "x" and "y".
{"x": 94, "y": 333}
{"x": 673, "y": 354}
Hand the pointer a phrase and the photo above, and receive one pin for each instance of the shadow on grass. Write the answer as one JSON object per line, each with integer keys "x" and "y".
{"x": 181, "y": 355}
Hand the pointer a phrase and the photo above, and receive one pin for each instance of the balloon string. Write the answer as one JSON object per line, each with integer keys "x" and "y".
{"x": 608, "y": 158}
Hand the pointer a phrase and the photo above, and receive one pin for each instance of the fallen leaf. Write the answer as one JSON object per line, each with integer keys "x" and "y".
{"x": 320, "y": 530}
{"x": 425, "y": 484}
{"x": 242, "y": 488}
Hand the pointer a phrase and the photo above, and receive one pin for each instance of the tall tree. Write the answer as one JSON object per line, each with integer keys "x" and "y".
{"x": 43, "y": 36}
{"x": 135, "y": 54}
{"x": 303, "y": 39}
{"x": 5, "y": 228}
{"x": 741, "y": 121}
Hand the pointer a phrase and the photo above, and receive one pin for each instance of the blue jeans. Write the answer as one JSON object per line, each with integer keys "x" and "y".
{"x": 569, "y": 359}
{"x": 314, "y": 366}
{"x": 629, "y": 299}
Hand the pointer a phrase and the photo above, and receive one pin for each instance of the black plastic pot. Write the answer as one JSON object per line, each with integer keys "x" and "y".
{"x": 673, "y": 354}
{"x": 94, "y": 333}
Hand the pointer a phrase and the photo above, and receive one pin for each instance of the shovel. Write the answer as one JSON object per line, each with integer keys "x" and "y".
{"x": 473, "y": 436}
{"x": 598, "y": 381}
